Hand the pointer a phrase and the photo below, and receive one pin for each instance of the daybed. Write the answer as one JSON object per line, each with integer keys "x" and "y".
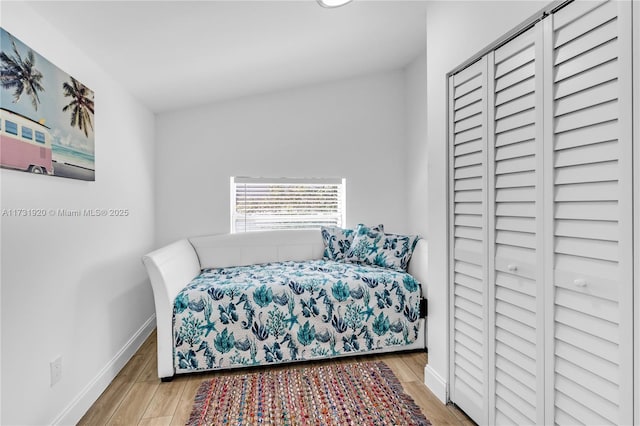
{"x": 256, "y": 315}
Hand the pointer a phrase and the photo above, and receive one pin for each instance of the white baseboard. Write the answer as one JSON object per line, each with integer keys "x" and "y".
{"x": 436, "y": 384}
{"x": 72, "y": 414}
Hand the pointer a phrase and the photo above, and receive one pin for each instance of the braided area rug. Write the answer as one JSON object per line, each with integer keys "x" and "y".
{"x": 365, "y": 393}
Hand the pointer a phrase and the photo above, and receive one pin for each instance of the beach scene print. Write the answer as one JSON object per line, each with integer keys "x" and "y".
{"x": 46, "y": 115}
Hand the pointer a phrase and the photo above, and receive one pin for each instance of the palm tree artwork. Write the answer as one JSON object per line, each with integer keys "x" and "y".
{"x": 21, "y": 75}
{"x": 50, "y": 115}
{"x": 81, "y": 104}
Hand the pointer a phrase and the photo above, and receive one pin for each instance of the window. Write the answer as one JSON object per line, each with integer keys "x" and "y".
{"x": 27, "y": 133}
{"x": 260, "y": 204}
{"x": 11, "y": 127}
{"x": 39, "y": 137}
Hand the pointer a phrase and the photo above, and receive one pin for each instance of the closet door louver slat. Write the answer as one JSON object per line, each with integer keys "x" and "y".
{"x": 467, "y": 115}
{"x": 589, "y": 169}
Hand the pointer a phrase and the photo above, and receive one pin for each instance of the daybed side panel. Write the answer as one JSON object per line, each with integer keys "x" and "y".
{"x": 418, "y": 264}
{"x": 170, "y": 269}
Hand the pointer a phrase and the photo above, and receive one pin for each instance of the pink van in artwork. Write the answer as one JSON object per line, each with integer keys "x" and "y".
{"x": 24, "y": 144}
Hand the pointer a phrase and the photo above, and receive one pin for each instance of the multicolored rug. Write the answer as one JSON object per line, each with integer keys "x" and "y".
{"x": 364, "y": 393}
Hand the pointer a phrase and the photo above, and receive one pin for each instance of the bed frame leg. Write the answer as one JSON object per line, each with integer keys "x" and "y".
{"x": 166, "y": 379}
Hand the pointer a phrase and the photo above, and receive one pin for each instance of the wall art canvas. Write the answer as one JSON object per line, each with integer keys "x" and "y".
{"x": 46, "y": 115}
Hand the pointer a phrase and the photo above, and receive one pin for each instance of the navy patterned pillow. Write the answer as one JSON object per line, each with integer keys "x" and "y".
{"x": 374, "y": 247}
{"x": 337, "y": 241}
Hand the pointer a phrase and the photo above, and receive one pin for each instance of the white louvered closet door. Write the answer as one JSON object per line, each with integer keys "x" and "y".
{"x": 589, "y": 213}
{"x": 467, "y": 124}
{"x": 541, "y": 155}
{"x": 516, "y": 320}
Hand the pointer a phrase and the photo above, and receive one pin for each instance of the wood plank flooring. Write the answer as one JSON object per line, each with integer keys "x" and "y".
{"x": 137, "y": 397}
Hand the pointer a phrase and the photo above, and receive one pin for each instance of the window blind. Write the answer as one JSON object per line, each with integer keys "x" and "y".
{"x": 260, "y": 204}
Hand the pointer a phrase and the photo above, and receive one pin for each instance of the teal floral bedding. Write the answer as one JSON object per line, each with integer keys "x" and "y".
{"x": 291, "y": 311}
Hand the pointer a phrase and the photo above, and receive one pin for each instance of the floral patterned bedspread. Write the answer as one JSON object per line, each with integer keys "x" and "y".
{"x": 288, "y": 311}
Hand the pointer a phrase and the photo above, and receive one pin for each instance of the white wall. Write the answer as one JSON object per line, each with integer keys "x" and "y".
{"x": 74, "y": 286}
{"x": 455, "y": 31}
{"x": 416, "y": 173}
{"x": 352, "y": 128}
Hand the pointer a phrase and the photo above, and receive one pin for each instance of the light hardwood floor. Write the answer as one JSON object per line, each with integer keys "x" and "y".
{"x": 137, "y": 397}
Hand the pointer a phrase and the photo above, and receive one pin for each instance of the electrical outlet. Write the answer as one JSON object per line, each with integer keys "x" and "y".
{"x": 56, "y": 370}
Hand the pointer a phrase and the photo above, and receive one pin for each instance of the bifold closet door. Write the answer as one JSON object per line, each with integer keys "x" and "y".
{"x": 541, "y": 220}
{"x": 589, "y": 336}
{"x": 467, "y": 133}
{"x": 516, "y": 321}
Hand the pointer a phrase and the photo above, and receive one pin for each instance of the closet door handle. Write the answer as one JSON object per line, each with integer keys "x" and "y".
{"x": 512, "y": 267}
{"x": 580, "y": 282}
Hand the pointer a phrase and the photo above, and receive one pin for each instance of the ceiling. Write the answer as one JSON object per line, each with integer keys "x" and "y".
{"x": 176, "y": 54}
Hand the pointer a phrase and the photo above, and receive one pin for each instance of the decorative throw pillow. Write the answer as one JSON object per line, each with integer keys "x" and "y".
{"x": 337, "y": 241}
{"x": 373, "y": 247}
